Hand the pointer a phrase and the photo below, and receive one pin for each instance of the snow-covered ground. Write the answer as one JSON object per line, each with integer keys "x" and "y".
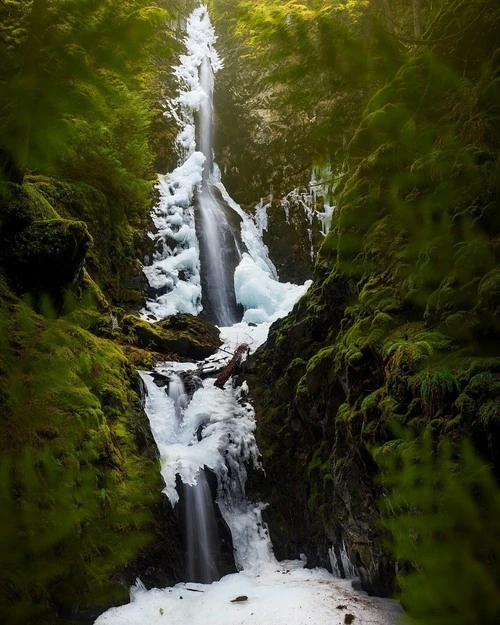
{"x": 281, "y": 594}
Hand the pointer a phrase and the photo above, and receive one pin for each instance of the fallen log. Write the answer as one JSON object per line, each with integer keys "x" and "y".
{"x": 233, "y": 366}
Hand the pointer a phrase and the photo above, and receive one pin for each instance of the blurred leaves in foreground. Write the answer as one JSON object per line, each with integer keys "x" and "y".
{"x": 74, "y": 491}
{"x": 441, "y": 509}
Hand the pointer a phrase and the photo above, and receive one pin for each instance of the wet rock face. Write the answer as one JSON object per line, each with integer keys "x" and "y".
{"x": 292, "y": 236}
{"x": 319, "y": 479}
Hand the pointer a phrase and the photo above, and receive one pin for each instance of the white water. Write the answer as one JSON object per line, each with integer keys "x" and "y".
{"x": 175, "y": 273}
{"x": 202, "y": 537}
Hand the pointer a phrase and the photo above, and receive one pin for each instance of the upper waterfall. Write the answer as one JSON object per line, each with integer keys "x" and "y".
{"x": 218, "y": 225}
{"x": 209, "y": 256}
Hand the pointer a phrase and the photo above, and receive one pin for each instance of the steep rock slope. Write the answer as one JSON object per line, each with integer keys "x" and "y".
{"x": 400, "y": 325}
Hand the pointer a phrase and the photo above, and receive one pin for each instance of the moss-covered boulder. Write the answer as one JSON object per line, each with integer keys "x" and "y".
{"x": 119, "y": 244}
{"x": 185, "y": 335}
{"x": 46, "y": 256}
{"x": 20, "y": 206}
{"x": 40, "y": 252}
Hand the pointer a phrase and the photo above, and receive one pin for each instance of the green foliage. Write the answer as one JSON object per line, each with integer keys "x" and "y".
{"x": 410, "y": 348}
{"x": 441, "y": 511}
{"x": 77, "y": 78}
{"x": 401, "y": 323}
{"x": 74, "y": 491}
{"x": 434, "y": 388}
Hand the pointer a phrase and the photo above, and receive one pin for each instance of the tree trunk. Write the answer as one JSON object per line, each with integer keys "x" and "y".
{"x": 234, "y": 365}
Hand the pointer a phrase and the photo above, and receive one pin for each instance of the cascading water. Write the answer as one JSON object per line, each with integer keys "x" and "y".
{"x": 177, "y": 394}
{"x": 216, "y": 433}
{"x": 202, "y": 535}
{"x": 220, "y": 252}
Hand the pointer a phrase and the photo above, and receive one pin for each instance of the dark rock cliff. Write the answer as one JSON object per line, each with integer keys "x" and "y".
{"x": 401, "y": 323}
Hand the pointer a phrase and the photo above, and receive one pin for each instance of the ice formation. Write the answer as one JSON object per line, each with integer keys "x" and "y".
{"x": 175, "y": 272}
{"x": 179, "y": 289}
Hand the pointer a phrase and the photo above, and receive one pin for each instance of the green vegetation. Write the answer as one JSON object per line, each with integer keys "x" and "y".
{"x": 79, "y": 122}
{"x": 401, "y": 323}
{"x": 441, "y": 514}
{"x": 75, "y": 489}
{"x": 80, "y": 117}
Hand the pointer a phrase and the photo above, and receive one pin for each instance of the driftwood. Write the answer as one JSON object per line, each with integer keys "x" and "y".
{"x": 234, "y": 365}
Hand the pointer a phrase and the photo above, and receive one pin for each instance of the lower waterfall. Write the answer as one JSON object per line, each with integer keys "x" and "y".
{"x": 202, "y": 536}
{"x": 212, "y": 430}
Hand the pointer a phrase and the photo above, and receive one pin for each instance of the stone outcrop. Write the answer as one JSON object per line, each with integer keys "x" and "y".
{"x": 293, "y": 236}
{"x": 183, "y": 335}
{"x": 40, "y": 253}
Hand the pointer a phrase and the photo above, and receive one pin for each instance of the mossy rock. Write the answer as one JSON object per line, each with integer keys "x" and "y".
{"x": 118, "y": 243}
{"x": 46, "y": 256}
{"x": 143, "y": 358}
{"x": 185, "y": 335}
{"x": 20, "y": 206}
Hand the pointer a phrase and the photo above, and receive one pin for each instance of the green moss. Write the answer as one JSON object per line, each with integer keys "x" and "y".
{"x": 489, "y": 292}
{"x": 75, "y": 489}
{"x": 20, "y": 206}
{"x": 185, "y": 335}
{"x": 111, "y": 261}
{"x": 411, "y": 347}
{"x": 489, "y": 414}
{"x": 46, "y": 256}
{"x": 371, "y": 402}
{"x": 320, "y": 476}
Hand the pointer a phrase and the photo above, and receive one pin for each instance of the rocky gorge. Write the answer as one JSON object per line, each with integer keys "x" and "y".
{"x": 396, "y": 338}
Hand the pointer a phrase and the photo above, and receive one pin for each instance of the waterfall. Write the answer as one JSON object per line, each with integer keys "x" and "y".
{"x": 220, "y": 251}
{"x": 208, "y": 430}
{"x": 202, "y": 431}
{"x": 202, "y": 536}
{"x": 197, "y": 239}
{"x": 177, "y": 394}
